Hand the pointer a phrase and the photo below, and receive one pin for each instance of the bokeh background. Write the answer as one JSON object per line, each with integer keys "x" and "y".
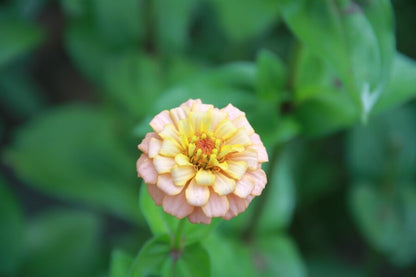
{"x": 80, "y": 80}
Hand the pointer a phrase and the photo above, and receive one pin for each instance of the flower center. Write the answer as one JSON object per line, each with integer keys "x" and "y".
{"x": 205, "y": 144}
{"x": 203, "y": 150}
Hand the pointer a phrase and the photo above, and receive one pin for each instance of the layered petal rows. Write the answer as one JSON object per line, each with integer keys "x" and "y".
{"x": 202, "y": 162}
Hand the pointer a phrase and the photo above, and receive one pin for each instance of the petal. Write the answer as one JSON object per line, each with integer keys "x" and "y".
{"x": 232, "y": 112}
{"x": 236, "y": 169}
{"x": 190, "y": 103}
{"x": 160, "y": 120}
{"x": 169, "y": 131}
{"x": 196, "y": 120}
{"x": 198, "y": 216}
{"x": 165, "y": 183}
{"x": 186, "y": 127}
{"x": 170, "y": 148}
{"x": 216, "y": 206}
{"x": 205, "y": 177}
{"x": 199, "y": 106}
{"x": 154, "y": 147}
{"x": 176, "y": 205}
{"x": 249, "y": 156}
{"x": 244, "y": 186}
{"x": 223, "y": 185}
{"x": 260, "y": 180}
{"x": 197, "y": 195}
{"x": 146, "y": 169}
{"x": 182, "y": 174}
{"x": 181, "y": 159}
{"x": 144, "y": 145}
{"x": 178, "y": 114}
{"x": 156, "y": 194}
{"x": 240, "y": 137}
{"x": 258, "y": 145}
{"x": 237, "y": 206}
{"x": 216, "y": 117}
{"x": 242, "y": 122}
{"x": 225, "y": 129}
{"x": 163, "y": 164}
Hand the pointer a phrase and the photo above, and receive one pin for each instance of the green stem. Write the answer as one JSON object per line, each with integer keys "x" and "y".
{"x": 177, "y": 243}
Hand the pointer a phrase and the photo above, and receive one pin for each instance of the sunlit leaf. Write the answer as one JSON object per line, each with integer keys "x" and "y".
{"x": 120, "y": 264}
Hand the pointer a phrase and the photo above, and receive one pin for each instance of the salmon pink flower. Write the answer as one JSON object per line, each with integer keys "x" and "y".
{"x": 202, "y": 162}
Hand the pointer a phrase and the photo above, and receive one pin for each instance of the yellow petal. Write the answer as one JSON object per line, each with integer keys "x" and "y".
{"x": 163, "y": 164}
{"x": 205, "y": 177}
{"x": 249, "y": 156}
{"x": 236, "y": 169}
{"x": 223, "y": 185}
{"x": 197, "y": 195}
{"x": 225, "y": 130}
{"x": 154, "y": 147}
{"x": 181, "y": 159}
{"x": 170, "y": 148}
{"x": 216, "y": 117}
{"x": 169, "y": 131}
{"x": 197, "y": 118}
{"x": 186, "y": 127}
{"x": 182, "y": 174}
{"x": 240, "y": 137}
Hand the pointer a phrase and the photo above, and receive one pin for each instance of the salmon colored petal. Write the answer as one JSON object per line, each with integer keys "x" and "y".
{"x": 223, "y": 185}
{"x": 170, "y": 148}
{"x": 169, "y": 131}
{"x": 236, "y": 169}
{"x": 165, "y": 183}
{"x": 182, "y": 174}
{"x": 176, "y": 205}
{"x": 260, "y": 180}
{"x": 242, "y": 122}
{"x": 205, "y": 177}
{"x": 146, "y": 170}
{"x": 198, "y": 216}
{"x": 178, "y": 114}
{"x": 216, "y": 117}
{"x": 258, "y": 145}
{"x": 197, "y": 195}
{"x": 199, "y": 106}
{"x": 216, "y": 206}
{"x": 160, "y": 120}
{"x": 244, "y": 186}
{"x": 163, "y": 164}
{"x": 156, "y": 194}
{"x": 237, "y": 206}
{"x": 144, "y": 145}
{"x": 249, "y": 156}
{"x": 232, "y": 112}
{"x": 154, "y": 147}
{"x": 240, "y": 137}
{"x": 190, "y": 103}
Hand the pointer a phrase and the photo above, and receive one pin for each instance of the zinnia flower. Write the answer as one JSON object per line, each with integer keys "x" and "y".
{"x": 202, "y": 162}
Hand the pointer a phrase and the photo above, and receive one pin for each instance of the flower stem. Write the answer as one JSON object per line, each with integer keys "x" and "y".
{"x": 178, "y": 235}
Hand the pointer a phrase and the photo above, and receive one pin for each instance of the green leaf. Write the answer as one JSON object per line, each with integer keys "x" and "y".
{"x": 119, "y": 22}
{"x": 62, "y": 243}
{"x": 11, "y": 231}
{"x": 243, "y": 20}
{"x": 193, "y": 262}
{"x": 120, "y": 264}
{"x": 271, "y": 76}
{"x": 162, "y": 223}
{"x": 329, "y": 266}
{"x": 358, "y": 41}
{"x": 18, "y": 38}
{"x": 278, "y": 256}
{"x": 74, "y": 153}
{"x": 385, "y": 149}
{"x": 387, "y": 219}
{"x": 173, "y": 20}
{"x": 280, "y": 199}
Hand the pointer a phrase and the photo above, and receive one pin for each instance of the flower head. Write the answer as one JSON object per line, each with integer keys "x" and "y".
{"x": 202, "y": 162}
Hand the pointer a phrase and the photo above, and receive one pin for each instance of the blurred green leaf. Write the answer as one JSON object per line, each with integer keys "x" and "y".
{"x": 120, "y": 264}
{"x": 387, "y": 219}
{"x": 163, "y": 223}
{"x": 357, "y": 40}
{"x": 329, "y": 266}
{"x": 193, "y": 262}
{"x": 271, "y": 76}
{"x": 243, "y": 20}
{"x": 11, "y": 231}
{"x": 229, "y": 257}
{"x": 119, "y": 22}
{"x": 280, "y": 199}
{"x": 385, "y": 149}
{"x": 75, "y": 8}
{"x": 278, "y": 256}
{"x": 17, "y": 38}
{"x": 74, "y": 153}
{"x": 172, "y": 23}
{"x": 63, "y": 243}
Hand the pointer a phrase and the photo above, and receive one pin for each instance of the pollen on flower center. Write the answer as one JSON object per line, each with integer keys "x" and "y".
{"x": 203, "y": 150}
{"x": 206, "y": 145}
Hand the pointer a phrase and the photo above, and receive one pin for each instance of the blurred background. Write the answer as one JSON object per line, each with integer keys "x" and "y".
{"x": 80, "y": 80}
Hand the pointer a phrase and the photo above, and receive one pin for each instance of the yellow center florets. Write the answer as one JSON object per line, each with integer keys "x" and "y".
{"x": 203, "y": 150}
